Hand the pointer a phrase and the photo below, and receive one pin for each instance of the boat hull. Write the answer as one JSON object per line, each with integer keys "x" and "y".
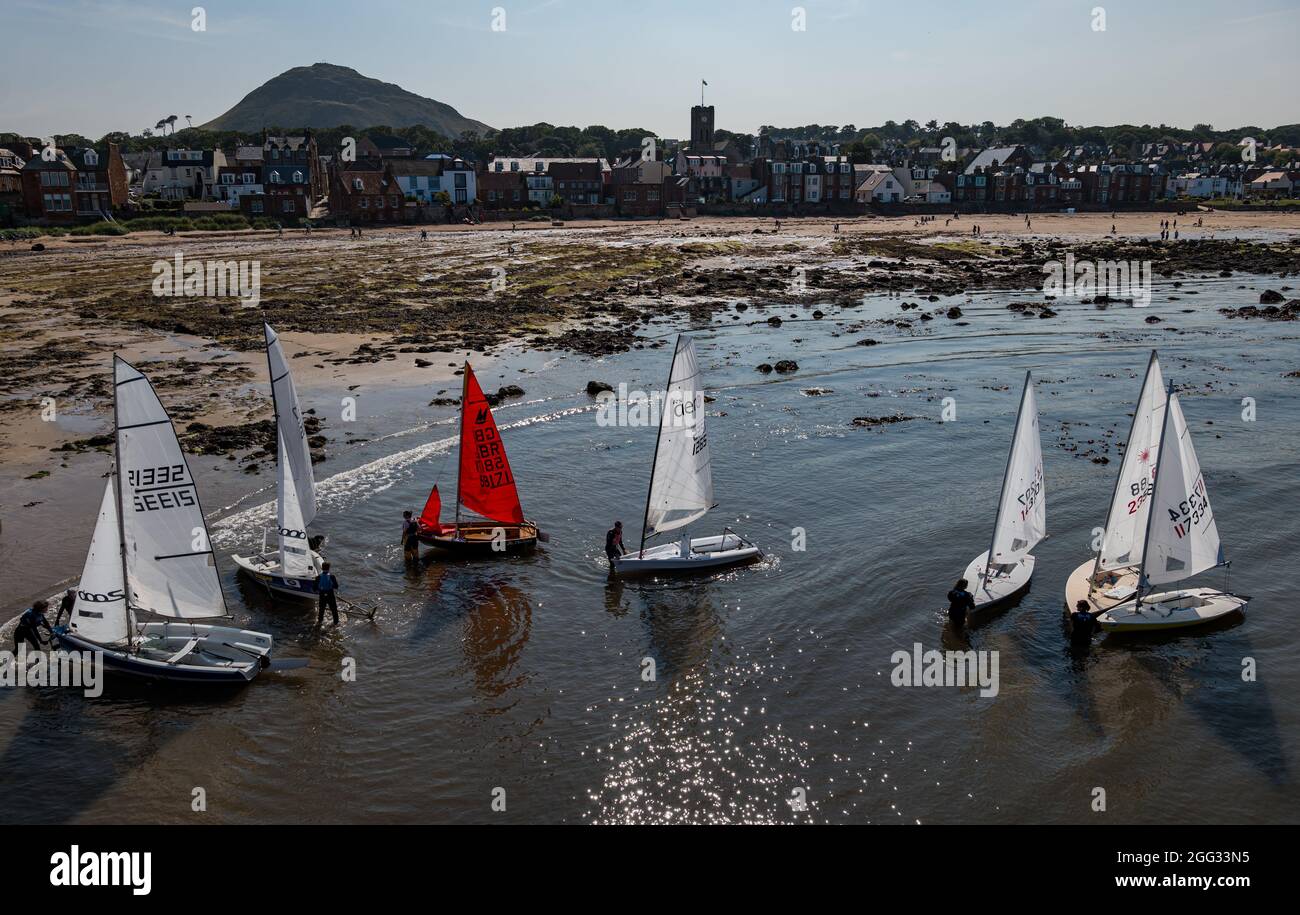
{"x": 1172, "y": 610}
{"x": 478, "y": 539}
{"x": 705, "y": 553}
{"x": 1003, "y": 587}
{"x": 183, "y": 653}
{"x": 1118, "y": 586}
{"x": 264, "y": 568}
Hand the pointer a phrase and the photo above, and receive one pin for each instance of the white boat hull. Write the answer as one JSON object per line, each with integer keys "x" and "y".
{"x": 264, "y": 568}
{"x": 1171, "y": 610}
{"x": 1005, "y": 584}
{"x": 704, "y": 553}
{"x": 1114, "y": 588}
{"x": 183, "y": 652}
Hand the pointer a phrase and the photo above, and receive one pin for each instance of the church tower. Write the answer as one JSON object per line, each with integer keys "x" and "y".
{"x": 702, "y": 128}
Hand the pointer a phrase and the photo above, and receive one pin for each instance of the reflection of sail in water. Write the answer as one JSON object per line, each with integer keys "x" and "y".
{"x": 683, "y": 626}
{"x": 497, "y": 627}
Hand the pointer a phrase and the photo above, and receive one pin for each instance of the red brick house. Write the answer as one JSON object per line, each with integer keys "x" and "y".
{"x": 11, "y": 182}
{"x": 580, "y": 183}
{"x": 85, "y": 183}
{"x": 504, "y": 190}
{"x": 365, "y": 192}
{"x": 646, "y": 188}
{"x": 101, "y": 181}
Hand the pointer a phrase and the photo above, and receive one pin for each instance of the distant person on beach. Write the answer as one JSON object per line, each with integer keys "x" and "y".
{"x": 327, "y": 586}
{"x": 960, "y": 603}
{"x": 30, "y": 625}
{"x": 66, "y": 605}
{"x": 614, "y": 543}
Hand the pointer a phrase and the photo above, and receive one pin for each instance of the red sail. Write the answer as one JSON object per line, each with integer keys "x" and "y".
{"x": 432, "y": 509}
{"x": 486, "y": 484}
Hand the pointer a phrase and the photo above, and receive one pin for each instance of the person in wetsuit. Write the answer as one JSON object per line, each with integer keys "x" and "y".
{"x": 410, "y": 536}
{"x": 614, "y": 543}
{"x": 66, "y": 605}
{"x": 30, "y": 625}
{"x": 1082, "y": 624}
{"x": 960, "y": 603}
{"x": 327, "y": 586}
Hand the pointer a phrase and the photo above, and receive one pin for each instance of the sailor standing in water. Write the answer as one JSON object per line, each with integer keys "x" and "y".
{"x": 30, "y": 625}
{"x": 327, "y": 586}
{"x": 614, "y": 544}
{"x": 960, "y": 603}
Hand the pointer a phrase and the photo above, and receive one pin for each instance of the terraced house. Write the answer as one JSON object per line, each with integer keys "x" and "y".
{"x": 84, "y": 183}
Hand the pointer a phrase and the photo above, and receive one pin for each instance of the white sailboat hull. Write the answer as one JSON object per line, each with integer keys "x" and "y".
{"x": 704, "y": 553}
{"x": 1114, "y": 588}
{"x": 1172, "y": 610}
{"x": 183, "y": 653}
{"x": 1005, "y": 584}
{"x": 264, "y": 568}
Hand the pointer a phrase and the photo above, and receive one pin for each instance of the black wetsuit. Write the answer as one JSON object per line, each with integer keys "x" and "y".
{"x": 29, "y": 627}
{"x": 1082, "y": 625}
{"x": 327, "y": 585}
{"x": 65, "y": 606}
{"x": 614, "y": 544}
{"x": 411, "y": 536}
{"x": 960, "y": 603}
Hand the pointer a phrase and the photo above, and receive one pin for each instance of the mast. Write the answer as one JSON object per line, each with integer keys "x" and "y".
{"x": 997, "y": 519}
{"x": 1127, "y": 445}
{"x": 1151, "y": 514}
{"x": 280, "y": 443}
{"x": 645, "y": 520}
{"x": 121, "y": 520}
{"x": 460, "y": 442}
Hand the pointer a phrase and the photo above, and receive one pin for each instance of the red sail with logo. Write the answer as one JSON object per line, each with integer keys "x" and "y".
{"x": 486, "y": 484}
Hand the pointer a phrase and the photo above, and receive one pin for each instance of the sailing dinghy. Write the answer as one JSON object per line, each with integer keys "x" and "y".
{"x": 681, "y": 484}
{"x": 151, "y": 553}
{"x": 485, "y": 485}
{"x": 1182, "y": 540}
{"x": 1111, "y": 578}
{"x": 1021, "y": 520}
{"x": 293, "y": 568}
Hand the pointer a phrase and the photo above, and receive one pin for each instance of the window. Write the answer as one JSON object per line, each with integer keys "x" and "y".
{"x": 227, "y": 179}
{"x": 629, "y": 196}
{"x": 297, "y": 177}
{"x": 275, "y": 177}
{"x": 356, "y": 184}
{"x": 247, "y": 177}
{"x": 461, "y": 196}
{"x": 255, "y": 206}
{"x": 365, "y": 203}
{"x": 287, "y": 205}
{"x": 652, "y": 195}
{"x": 397, "y": 201}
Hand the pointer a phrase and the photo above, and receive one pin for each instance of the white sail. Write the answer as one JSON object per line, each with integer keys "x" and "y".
{"x": 295, "y": 555}
{"x": 99, "y": 613}
{"x": 1183, "y": 538}
{"x": 293, "y": 448}
{"x": 170, "y": 566}
{"x": 1126, "y": 523}
{"x": 1022, "y": 510}
{"x": 681, "y": 485}
{"x": 296, "y": 482}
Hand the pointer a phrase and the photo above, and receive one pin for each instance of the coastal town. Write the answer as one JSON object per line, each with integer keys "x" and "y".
{"x": 383, "y": 178}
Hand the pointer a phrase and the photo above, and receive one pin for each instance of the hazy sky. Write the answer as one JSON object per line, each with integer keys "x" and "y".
{"x": 92, "y": 67}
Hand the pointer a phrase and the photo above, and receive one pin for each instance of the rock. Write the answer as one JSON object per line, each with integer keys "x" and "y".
{"x": 818, "y": 315}
{"x": 1270, "y": 297}
{"x": 816, "y": 392}
{"x": 510, "y": 390}
{"x": 954, "y": 313}
{"x": 1153, "y": 319}
{"x": 785, "y": 366}
{"x": 868, "y": 342}
{"x": 872, "y": 422}
{"x": 774, "y": 321}
{"x": 764, "y": 368}
{"x": 596, "y": 387}
{"x": 422, "y": 363}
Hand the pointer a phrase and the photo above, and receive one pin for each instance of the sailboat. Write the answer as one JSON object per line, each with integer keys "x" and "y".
{"x": 1112, "y": 576}
{"x": 294, "y": 567}
{"x": 485, "y": 486}
{"x": 1004, "y": 570}
{"x": 681, "y": 483}
{"x": 151, "y": 553}
{"x": 1181, "y": 540}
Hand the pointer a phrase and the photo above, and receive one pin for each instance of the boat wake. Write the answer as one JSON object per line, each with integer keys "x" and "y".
{"x": 351, "y": 487}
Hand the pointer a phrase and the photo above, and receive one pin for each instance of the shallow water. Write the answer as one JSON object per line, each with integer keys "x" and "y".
{"x": 526, "y": 674}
